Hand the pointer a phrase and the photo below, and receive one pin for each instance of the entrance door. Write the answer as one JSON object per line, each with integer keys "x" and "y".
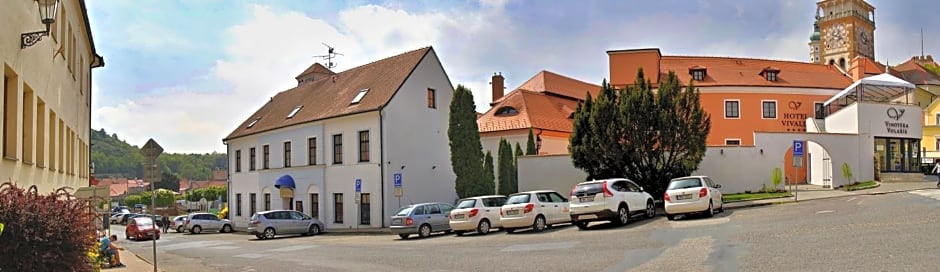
{"x": 288, "y": 203}
{"x": 365, "y": 210}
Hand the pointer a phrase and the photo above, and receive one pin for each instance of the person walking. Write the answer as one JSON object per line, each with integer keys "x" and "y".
{"x": 166, "y": 222}
{"x": 936, "y": 170}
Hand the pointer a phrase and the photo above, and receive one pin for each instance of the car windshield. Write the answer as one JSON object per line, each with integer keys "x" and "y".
{"x": 589, "y": 188}
{"x": 516, "y": 199}
{"x": 467, "y": 203}
{"x": 404, "y": 211}
{"x": 684, "y": 183}
{"x": 144, "y": 222}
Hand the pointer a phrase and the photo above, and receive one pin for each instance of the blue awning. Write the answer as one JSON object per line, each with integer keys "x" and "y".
{"x": 285, "y": 181}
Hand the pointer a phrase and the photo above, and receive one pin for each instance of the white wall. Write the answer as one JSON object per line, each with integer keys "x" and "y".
{"x": 817, "y": 162}
{"x": 341, "y": 178}
{"x": 491, "y": 143}
{"x": 416, "y": 138}
{"x": 844, "y": 120}
{"x": 549, "y": 172}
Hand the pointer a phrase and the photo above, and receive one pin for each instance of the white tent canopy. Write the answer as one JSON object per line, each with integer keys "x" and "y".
{"x": 880, "y": 88}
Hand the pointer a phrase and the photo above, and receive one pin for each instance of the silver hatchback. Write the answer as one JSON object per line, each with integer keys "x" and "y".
{"x": 421, "y": 219}
{"x": 267, "y": 224}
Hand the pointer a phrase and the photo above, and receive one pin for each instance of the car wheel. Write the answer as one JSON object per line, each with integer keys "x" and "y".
{"x": 196, "y": 230}
{"x": 269, "y": 233}
{"x": 623, "y": 214}
{"x": 711, "y": 211}
{"x": 403, "y": 236}
{"x": 484, "y": 227}
{"x": 127, "y": 236}
{"x": 670, "y": 217}
{"x": 260, "y": 237}
{"x": 424, "y": 231}
{"x": 314, "y": 230}
{"x": 226, "y": 228}
{"x": 581, "y": 224}
{"x": 179, "y": 229}
{"x": 539, "y": 223}
{"x": 721, "y": 208}
{"x": 650, "y": 209}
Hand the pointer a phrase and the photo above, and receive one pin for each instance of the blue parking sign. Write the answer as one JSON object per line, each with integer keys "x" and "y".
{"x": 358, "y": 185}
{"x": 797, "y": 148}
{"x": 397, "y": 180}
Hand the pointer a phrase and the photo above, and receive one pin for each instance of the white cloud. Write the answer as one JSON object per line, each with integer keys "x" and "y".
{"x": 150, "y": 35}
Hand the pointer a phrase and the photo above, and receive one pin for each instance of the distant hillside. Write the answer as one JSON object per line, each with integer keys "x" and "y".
{"x": 115, "y": 157}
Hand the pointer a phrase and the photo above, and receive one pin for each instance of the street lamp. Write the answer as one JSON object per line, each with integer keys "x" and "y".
{"x": 47, "y": 11}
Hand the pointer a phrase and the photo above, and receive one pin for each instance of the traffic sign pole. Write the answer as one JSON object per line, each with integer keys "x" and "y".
{"x": 798, "y": 148}
{"x": 151, "y": 151}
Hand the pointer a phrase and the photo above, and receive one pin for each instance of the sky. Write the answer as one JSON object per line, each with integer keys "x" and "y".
{"x": 187, "y": 72}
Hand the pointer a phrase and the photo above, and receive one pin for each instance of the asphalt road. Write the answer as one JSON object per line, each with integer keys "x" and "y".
{"x": 893, "y": 232}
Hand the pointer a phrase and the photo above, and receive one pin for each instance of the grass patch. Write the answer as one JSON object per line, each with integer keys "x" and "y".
{"x": 861, "y": 186}
{"x": 753, "y": 196}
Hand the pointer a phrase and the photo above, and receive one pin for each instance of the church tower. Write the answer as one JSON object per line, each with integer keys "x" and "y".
{"x": 846, "y": 30}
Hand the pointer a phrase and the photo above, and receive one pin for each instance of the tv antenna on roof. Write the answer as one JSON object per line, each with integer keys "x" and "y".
{"x": 330, "y": 55}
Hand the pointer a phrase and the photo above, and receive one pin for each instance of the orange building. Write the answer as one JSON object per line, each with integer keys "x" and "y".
{"x": 742, "y": 95}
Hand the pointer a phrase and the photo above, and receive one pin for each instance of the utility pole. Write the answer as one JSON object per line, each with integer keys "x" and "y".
{"x": 151, "y": 151}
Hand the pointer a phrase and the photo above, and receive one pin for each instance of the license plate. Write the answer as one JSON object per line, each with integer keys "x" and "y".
{"x": 586, "y": 198}
{"x": 682, "y": 197}
{"x": 458, "y": 216}
{"x": 512, "y": 212}
{"x": 150, "y": 233}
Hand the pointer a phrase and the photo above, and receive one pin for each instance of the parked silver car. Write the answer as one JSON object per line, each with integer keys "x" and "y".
{"x": 267, "y": 224}
{"x": 197, "y": 222}
{"x": 422, "y": 219}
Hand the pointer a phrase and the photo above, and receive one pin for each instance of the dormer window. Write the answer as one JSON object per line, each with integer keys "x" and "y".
{"x": 698, "y": 72}
{"x": 294, "y": 112}
{"x": 253, "y": 122}
{"x": 506, "y": 111}
{"x": 770, "y": 73}
{"x": 362, "y": 93}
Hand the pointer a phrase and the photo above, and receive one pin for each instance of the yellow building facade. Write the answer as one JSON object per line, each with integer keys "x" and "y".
{"x": 46, "y": 93}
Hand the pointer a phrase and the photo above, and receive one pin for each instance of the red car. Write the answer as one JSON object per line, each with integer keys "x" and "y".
{"x": 140, "y": 228}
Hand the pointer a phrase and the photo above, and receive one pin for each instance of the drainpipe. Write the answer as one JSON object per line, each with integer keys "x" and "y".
{"x": 382, "y": 160}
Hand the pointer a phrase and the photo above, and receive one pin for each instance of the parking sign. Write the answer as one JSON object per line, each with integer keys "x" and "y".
{"x": 358, "y": 185}
{"x": 397, "y": 180}
{"x": 797, "y": 148}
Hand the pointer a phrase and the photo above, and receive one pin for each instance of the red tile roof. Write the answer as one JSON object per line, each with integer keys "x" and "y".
{"x": 725, "y": 71}
{"x": 535, "y": 110}
{"x": 549, "y": 82}
{"x": 315, "y": 68}
{"x": 913, "y": 72}
{"x": 331, "y": 97}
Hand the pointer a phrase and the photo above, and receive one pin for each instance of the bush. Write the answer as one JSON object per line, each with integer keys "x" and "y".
{"x": 45, "y": 232}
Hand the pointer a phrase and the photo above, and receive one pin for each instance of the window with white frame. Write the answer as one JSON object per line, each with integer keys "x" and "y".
{"x": 732, "y": 109}
{"x": 769, "y": 109}
{"x": 732, "y": 141}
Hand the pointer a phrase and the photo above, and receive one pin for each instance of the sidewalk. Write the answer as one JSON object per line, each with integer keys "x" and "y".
{"x": 811, "y": 192}
{"x": 132, "y": 263}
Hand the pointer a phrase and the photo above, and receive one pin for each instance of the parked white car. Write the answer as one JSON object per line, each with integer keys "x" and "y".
{"x": 615, "y": 200}
{"x": 535, "y": 209}
{"x": 480, "y": 214}
{"x": 197, "y": 222}
{"x": 694, "y": 194}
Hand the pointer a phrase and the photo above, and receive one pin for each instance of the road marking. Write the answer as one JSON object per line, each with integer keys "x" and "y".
{"x": 850, "y": 199}
{"x": 931, "y": 193}
{"x": 541, "y": 246}
{"x": 687, "y": 223}
{"x": 224, "y": 247}
{"x": 291, "y": 248}
{"x": 251, "y": 255}
{"x": 826, "y": 211}
{"x": 198, "y": 244}
{"x": 694, "y": 252}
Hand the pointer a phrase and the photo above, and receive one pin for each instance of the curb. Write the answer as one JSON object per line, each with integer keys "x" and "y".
{"x": 750, "y": 205}
{"x": 865, "y": 188}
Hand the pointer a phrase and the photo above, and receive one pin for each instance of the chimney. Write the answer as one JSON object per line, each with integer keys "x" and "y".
{"x": 497, "y": 83}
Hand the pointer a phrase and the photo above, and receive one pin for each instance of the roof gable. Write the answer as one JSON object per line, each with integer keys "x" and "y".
{"x": 917, "y": 74}
{"x": 323, "y": 99}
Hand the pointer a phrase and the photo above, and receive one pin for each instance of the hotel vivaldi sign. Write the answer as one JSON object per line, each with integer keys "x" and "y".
{"x": 896, "y": 127}
{"x": 794, "y": 120}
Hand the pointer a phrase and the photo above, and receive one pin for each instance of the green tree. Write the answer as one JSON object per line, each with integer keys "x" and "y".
{"x": 466, "y": 152}
{"x": 506, "y": 168}
{"x": 132, "y": 200}
{"x": 170, "y": 181}
{"x": 489, "y": 178}
{"x": 165, "y": 198}
{"x": 776, "y": 178}
{"x": 649, "y": 137}
{"x": 847, "y": 172}
{"x": 530, "y": 148}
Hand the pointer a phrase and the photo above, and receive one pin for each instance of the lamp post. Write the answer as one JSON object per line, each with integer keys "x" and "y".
{"x": 47, "y": 12}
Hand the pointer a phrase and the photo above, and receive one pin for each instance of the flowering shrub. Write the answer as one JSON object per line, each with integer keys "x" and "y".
{"x": 51, "y": 232}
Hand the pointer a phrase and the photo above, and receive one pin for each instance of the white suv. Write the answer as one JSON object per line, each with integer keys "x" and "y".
{"x": 197, "y": 222}
{"x": 614, "y": 200}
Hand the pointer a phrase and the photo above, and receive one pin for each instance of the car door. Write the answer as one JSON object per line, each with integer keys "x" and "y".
{"x": 433, "y": 215}
{"x": 297, "y": 222}
{"x": 214, "y": 221}
{"x": 713, "y": 188}
{"x": 560, "y": 207}
{"x": 491, "y": 208}
{"x": 635, "y": 197}
{"x": 622, "y": 193}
